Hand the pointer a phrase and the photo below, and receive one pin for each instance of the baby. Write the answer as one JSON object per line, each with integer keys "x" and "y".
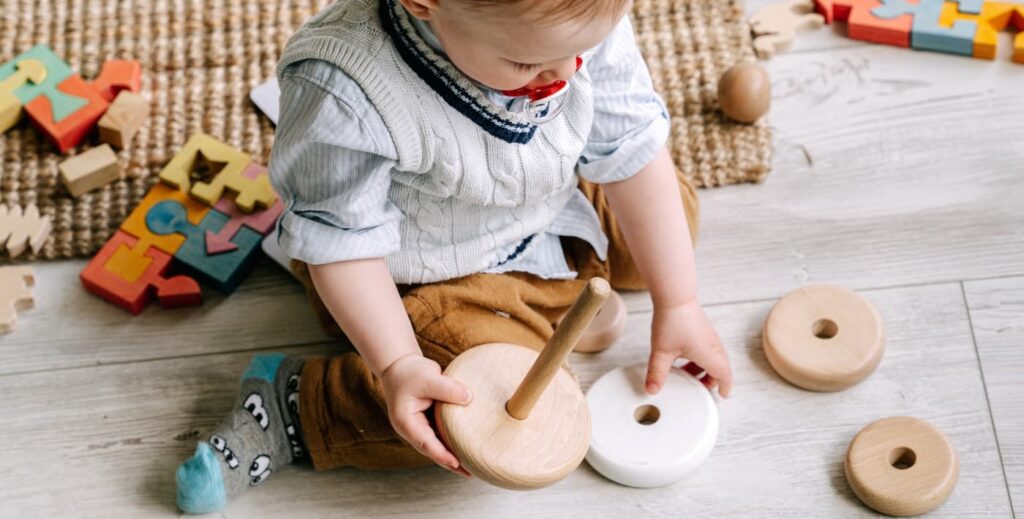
{"x": 453, "y": 172}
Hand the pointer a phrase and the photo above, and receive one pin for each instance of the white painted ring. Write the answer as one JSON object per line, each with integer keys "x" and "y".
{"x": 650, "y": 455}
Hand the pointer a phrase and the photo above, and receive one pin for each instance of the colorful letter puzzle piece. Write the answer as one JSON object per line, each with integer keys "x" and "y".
{"x": 963, "y": 27}
{"x": 230, "y": 165}
{"x": 129, "y": 278}
{"x": 28, "y": 71}
{"x": 217, "y": 245}
{"x": 21, "y": 230}
{"x": 57, "y": 71}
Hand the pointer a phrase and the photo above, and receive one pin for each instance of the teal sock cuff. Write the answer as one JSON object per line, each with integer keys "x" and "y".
{"x": 200, "y": 483}
{"x": 264, "y": 366}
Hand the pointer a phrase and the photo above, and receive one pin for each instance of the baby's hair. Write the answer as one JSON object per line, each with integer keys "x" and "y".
{"x": 556, "y": 11}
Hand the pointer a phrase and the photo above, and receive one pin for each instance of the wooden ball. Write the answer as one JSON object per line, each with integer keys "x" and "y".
{"x": 745, "y": 92}
{"x": 824, "y": 338}
{"x": 606, "y": 328}
{"x": 495, "y": 447}
{"x": 901, "y": 466}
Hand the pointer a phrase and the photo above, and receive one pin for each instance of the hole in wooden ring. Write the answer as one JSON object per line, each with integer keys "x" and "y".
{"x": 902, "y": 458}
{"x": 646, "y": 414}
{"x": 825, "y": 328}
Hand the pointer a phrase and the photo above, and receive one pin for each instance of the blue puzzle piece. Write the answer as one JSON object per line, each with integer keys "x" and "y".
{"x": 56, "y": 72}
{"x": 223, "y": 271}
{"x": 926, "y": 33}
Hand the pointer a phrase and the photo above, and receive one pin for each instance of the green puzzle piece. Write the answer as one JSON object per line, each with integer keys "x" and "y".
{"x": 56, "y": 72}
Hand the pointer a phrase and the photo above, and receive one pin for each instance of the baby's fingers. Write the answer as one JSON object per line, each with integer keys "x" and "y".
{"x": 657, "y": 369}
{"x": 446, "y": 389}
{"x": 417, "y": 431}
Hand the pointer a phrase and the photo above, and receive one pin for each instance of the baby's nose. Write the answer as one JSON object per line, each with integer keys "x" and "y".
{"x": 561, "y": 71}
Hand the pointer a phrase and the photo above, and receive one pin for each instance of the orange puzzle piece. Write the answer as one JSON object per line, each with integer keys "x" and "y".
{"x": 135, "y": 224}
{"x": 863, "y": 25}
{"x": 116, "y": 76}
{"x": 128, "y": 274}
{"x": 70, "y": 131}
{"x": 994, "y": 18}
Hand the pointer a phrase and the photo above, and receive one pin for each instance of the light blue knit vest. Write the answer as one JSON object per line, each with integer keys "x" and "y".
{"x": 472, "y": 178}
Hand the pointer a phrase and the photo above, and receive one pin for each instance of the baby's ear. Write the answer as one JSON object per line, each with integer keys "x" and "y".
{"x": 422, "y": 9}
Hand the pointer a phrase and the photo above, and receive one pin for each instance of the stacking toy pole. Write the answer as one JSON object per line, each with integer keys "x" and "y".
{"x": 551, "y": 358}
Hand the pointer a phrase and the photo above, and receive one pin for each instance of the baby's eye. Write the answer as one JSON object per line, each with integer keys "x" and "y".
{"x": 525, "y": 67}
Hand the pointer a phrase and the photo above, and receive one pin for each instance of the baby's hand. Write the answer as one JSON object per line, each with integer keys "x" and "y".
{"x": 684, "y": 331}
{"x": 411, "y": 385}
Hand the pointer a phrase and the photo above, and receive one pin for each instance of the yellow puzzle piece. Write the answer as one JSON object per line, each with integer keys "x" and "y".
{"x": 994, "y": 18}
{"x": 203, "y": 150}
{"x": 29, "y": 70}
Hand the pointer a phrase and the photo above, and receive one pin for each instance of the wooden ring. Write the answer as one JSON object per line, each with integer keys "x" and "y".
{"x": 642, "y": 440}
{"x": 901, "y": 466}
{"x": 499, "y": 449}
{"x": 607, "y": 327}
{"x": 824, "y": 338}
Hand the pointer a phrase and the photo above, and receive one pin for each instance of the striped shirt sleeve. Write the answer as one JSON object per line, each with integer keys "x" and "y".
{"x": 331, "y": 164}
{"x": 631, "y": 123}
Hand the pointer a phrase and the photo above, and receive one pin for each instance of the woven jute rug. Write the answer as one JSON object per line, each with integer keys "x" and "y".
{"x": 202, "y": 57}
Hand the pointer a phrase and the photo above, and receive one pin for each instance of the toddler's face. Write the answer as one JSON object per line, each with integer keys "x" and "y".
{"x": 504, "y": 51}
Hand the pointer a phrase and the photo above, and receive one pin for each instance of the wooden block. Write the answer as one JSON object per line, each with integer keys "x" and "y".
{"x": 864, "y": 25}
{"x": 824, "y": 338}
{"x": 21, "y": 230}
{"x": 774, "y": 26}
{"x": 28, "y": 70}
{"x": 901, "y": 466}
{"x": 926, "y": 33}
{"x": 15, "y": 295}
{"x": 135, "y": 224}
{"x": 124, "y": 117}
{"x": 57, "y": 71}
{"x": 994, "y": 18}
{"x": 89, "y": 170}
{"x": 68, "y": 132}
{"x": 224, "y": 271}
{"x": 128, "y": 274}
{"x": 260, "y": 221}
{"x": 117, "y": 76}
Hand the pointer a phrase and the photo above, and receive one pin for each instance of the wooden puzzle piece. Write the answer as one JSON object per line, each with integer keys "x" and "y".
{"x": 128, "y": 277}
{"x": 15, "y": 295}
{"x": 260, "y": 222}
{"x": 926, "y": 33}
{"x": 89, "y": 170}
{"x": 774, "y": 26}
{"x": 118, "y": 76}
{"x": 66, "y": 133}
{"x": 57, "y": 71}
{"x": 994, "y": 18}
{"x": 863, "y": 25}
{"x": 27, "y": 71}
{"x": 203, "y": 149}
{"x": 20, "y": 230}
{"x": 223, "y": 271}
{"x": 124, "y": 117}
{"x": 135, "y": 224}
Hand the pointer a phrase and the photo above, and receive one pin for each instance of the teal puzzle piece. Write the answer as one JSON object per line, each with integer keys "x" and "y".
{"x": 56, "y": 72}
{"x": 925, "y": 31}
{"x": 224, "y": 271}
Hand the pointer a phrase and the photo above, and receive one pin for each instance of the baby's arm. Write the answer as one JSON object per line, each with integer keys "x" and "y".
{"x": 653, "y": 222}
{"x": 362, "y": 297}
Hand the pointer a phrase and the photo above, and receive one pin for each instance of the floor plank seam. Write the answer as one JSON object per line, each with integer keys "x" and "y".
{"x": 988, "y": 402}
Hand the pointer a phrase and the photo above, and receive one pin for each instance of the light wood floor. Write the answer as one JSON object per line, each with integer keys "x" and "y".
{"x": 898, "y": 173}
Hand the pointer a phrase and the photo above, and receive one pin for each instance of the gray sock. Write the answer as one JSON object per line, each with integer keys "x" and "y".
{"x": 260, "y": 435}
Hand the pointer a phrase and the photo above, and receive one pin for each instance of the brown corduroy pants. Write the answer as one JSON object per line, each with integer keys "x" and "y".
{"x": 343, "y": 411}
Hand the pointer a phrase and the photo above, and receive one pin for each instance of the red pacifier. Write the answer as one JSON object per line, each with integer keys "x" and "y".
{"x": 539, "y": 104}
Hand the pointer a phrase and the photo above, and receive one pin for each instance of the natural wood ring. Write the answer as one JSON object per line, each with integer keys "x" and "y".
{"x": 606, "y": 328}
{"x": 901, "y": 466}
{"x": 495, "y": 447}
{"x": 824, "y": 338}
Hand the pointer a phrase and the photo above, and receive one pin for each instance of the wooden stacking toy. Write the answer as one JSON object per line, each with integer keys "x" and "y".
{"x": 528, "y": 425}
{"x": 901, "y": 466}
{"x": 824, "y": 338}
{"x": 642, "y": 440}
{"x": 608, "y": 325}
{"x": 745, "y": 92}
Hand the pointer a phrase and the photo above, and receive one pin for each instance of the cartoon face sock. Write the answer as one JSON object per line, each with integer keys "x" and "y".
{"x": 260, "y": 435}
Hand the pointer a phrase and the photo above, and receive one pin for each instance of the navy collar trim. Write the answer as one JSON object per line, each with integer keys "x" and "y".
{"x": 454, "y": 89}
